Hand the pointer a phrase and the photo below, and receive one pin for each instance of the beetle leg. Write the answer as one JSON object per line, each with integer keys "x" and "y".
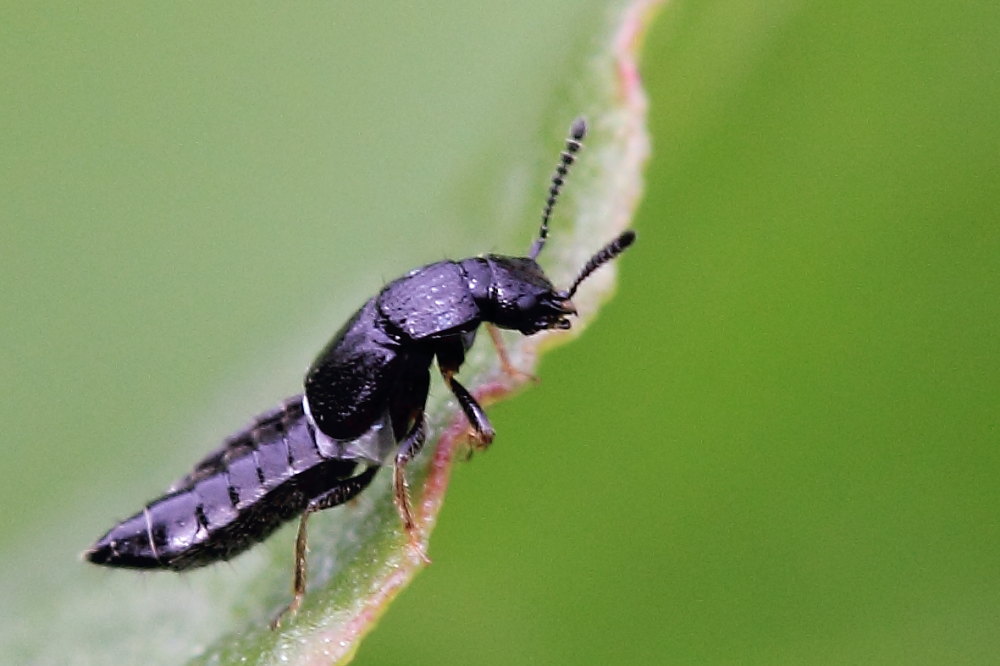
{"x": 483, "y": 432}
{"x": 508, "y": 368}
{"x": 450, "y": 356}
{"x": 408, "y": 449}
{"x": 343, "y": 491}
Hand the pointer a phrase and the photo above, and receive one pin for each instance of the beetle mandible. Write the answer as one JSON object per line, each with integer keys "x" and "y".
{"x": 363, "y": 406}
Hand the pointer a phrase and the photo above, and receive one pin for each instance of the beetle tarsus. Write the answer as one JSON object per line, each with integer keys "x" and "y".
{"x": 401, "y": 495}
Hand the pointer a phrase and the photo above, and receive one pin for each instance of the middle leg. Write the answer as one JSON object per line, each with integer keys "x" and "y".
{"x": 409, "y": 448}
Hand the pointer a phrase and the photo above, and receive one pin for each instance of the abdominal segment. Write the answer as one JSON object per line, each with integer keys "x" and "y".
{"x": 236, "y": 497}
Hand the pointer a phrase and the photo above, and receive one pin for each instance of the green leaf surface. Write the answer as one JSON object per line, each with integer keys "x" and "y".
{"x": 187, "y": 243}
{"x": 776, "y": 445}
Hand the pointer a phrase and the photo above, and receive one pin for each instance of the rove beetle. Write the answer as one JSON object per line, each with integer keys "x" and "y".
{"x": 363, "y": 404}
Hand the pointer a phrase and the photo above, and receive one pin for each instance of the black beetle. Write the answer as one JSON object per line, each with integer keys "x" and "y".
{"x": 364, "y": 401}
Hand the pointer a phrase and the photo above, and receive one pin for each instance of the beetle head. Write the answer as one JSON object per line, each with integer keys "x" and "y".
{"x": 521, "y": 297}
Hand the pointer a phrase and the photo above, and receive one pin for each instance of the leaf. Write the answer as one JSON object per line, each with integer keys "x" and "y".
{"x": 359, "y": 560}
{"x": 367, "y": 555}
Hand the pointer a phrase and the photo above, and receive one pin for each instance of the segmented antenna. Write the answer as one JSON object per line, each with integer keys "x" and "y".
{"x": 566, "y": 158}
{"x": 603, "y": 256}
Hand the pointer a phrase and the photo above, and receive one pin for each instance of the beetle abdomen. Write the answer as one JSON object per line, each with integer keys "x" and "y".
{"x": 237, "y": 496}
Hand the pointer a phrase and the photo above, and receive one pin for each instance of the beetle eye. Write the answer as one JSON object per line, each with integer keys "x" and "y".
{"x": 528, "y": 303}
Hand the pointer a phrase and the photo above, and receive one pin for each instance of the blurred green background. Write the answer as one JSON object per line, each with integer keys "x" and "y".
{"x": 777, "y": 444}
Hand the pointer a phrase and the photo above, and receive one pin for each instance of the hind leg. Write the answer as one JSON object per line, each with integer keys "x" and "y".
{"x": 340, "y": 493}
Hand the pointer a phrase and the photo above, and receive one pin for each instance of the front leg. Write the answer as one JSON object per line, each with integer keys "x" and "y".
{"x": 450, "y": 356}
{"x": 514, "y": 373}
{"x": 482, "y": 431}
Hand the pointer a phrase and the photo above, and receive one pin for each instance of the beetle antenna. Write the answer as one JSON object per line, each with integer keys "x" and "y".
{"x": 566, "y": 158}
{"x": 603, "y": 256}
